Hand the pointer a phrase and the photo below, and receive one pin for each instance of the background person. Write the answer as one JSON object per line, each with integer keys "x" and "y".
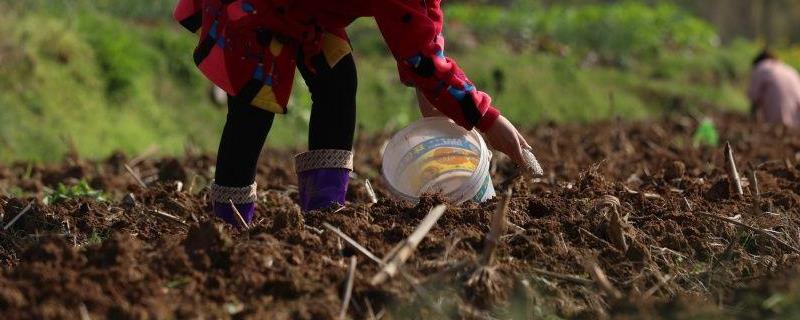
{"x": 774, "y": 91}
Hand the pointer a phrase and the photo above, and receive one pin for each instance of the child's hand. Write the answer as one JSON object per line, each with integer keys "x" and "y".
{"x": 503, "y": 136}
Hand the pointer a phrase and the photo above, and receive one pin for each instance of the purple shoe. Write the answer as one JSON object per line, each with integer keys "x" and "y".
{"x": 323, "y": 176}
{"x": 244, "y": 198}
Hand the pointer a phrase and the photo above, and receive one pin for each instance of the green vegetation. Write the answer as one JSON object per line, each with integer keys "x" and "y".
{"x": 99, "y": 81}
{"x": 621, "y": 32}
{"x": 706, "y": 134}
{"x": 81, "y": 190}
{"x": 117, "y": 75}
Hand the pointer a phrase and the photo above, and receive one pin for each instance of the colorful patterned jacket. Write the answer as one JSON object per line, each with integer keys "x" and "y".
{"x": 249, "y": 47}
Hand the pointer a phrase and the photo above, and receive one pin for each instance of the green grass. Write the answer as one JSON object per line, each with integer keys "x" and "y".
{"x": 90, "y": 74}
{"x": 82, "y": 190}
{"x": 100, "y": 82}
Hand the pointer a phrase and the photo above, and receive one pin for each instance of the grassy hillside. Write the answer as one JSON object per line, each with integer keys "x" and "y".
{"x": 108, "y": 75}
{"x": 100, "y": 82}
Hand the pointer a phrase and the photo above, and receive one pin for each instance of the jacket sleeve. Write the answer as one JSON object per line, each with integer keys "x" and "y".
{"x": 413, "y": 31}
{"x": 189, "y": 14}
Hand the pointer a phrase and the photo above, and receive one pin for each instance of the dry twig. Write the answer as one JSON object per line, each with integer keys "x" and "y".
{"x": 411, "y": 280}
{"x": 353, "y": 243}
{"x": 147, "y": 153}
{"x": 671, "y": 287}
{"x": 756, "y": 205}
{"x": 135, "y": 176}
{"x": 602, "y": 281}
{"x": 617, "y": 223}
{"x": 315, "y": 230}
{"x": 370, "y": 311}
{"x": 169, "y": 216}
{"x": 498, "y": 228}
{"x": 373, "y": 198}
{"x": 662, "y": 282}
{"x": 751, "y": 228}
{"x": 563, "y": 276}
{"x": 596, "y": 238}
{"x": 733, "y": 174}
{"x": 408, "y": 246}
{"x": 84, "y": 312}
{"x": 14, "y": 220}
{"x": 348, "y": 289}
{"x": 238, "y": 215}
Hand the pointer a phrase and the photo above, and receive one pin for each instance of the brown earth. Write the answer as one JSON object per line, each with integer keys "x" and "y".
{"x": 631, "y": 201}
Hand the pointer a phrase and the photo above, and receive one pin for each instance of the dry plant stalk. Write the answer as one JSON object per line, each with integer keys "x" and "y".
{"x": 616, "y": 230}
{"x": 687, "y": 204}
{"x": 373, "y": 198}
{"x": 348, "y": 289}
{"x": 661, "y": 283}
{"x": 84, "y": 312}
{"x": 135, "y": 176}
{"x": 562, "y": 276}
{"x": 602, "y": 281}
{"x": 497, "y": 230}
{"x": 147, "y": 153}
{"x": 370, "y": 310}
{"x": 313, "y": 229}
{"x": 191, "y": 183}
{"x": 617, "y": 224}
{"x": 596, "y": 238}
{"x": 14, "y": 220}
{"x": 353, "y": 243}
{"x": 751, "y": 228}
{"x": 238, "y": 214}
{"x": 485, "y": 283}
{"x": 407, "y": 247}
{"x": 168, "y": 216}
{"x": 411, "y": 280}
{"x": 392, "y": 252}
{"x": 756, "y": 206}
{"x": 733, "y": 174}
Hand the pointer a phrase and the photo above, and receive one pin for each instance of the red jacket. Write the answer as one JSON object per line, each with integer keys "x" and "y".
{"x": 249, "y": 47}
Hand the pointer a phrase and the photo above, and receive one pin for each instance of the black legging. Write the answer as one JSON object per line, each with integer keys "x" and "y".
{"x": 332, "y": 124}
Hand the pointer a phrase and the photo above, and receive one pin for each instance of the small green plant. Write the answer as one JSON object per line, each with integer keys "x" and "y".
{"x": 706, "y": 134}
{"x": 178, "y": 283}
{"x": 94, "y": 239}
{"x": 80, "y": 190}
{"x": 14, "y": 192}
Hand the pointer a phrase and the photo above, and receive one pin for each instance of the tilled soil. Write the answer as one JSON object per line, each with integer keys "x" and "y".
{"x": 635, "y": 203}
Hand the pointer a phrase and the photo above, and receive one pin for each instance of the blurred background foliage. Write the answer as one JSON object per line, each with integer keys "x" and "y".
{"x": 105, "y": 75}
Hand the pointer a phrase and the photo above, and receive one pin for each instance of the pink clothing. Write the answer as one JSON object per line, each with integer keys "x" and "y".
{"x": 775, "y": 92}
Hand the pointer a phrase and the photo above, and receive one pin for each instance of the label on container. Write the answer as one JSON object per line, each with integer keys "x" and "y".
{"x": 435, "y": 157}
